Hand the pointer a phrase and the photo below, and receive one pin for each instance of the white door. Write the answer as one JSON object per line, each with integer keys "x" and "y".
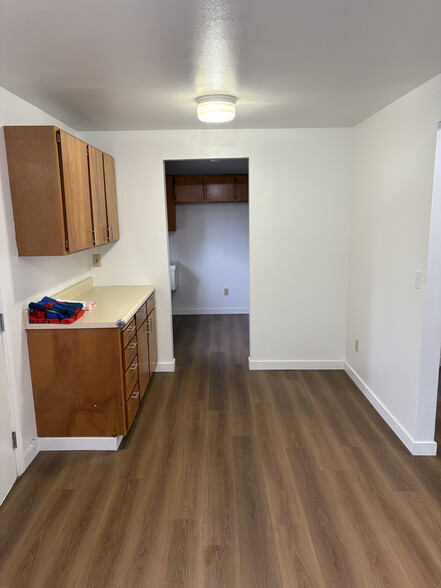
{"x": 8, "y": 472}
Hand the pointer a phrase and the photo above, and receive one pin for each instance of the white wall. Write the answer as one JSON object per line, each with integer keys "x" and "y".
{"x": 393, "y": 180}
{"x": 300, "y": 183}
{"x": 211, "y": 246}
{"x": 24, "y": 279}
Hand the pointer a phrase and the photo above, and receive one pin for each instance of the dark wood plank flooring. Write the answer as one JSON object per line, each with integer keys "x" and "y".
{"x": 231, "y": 479}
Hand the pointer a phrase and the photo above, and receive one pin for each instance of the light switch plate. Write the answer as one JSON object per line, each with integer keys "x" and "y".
{"x": 96, "y": 260}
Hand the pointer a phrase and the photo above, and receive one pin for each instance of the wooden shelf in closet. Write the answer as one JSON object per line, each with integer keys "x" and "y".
{"x": 197, "y": 189}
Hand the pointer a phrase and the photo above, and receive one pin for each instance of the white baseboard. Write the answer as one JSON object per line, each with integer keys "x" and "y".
{"x": 79, "y": 443}
{"x": 415, "y": 447}
{"x": 232, "y": 310}
{"x": 294, "y": 364}
{"x": 166, "y": 366}
{"x": 31, "y": 453}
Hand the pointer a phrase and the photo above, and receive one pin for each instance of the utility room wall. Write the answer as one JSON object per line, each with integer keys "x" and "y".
{"x": 212, "y": 247}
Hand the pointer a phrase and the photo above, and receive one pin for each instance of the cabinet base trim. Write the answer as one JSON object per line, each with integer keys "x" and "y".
{"x": 294, "y": 364}
{"x": 79, "y": 443}
{"x": 166, "y": 366}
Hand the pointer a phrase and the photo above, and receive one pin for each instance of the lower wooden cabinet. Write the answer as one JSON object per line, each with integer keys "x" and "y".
{"x": 143, "y": 358}
{"x": 153, "y": 346}
{"x": 147, "y": 343}
{"x": 132, "y": 406}
{"x": 89, "y": 382}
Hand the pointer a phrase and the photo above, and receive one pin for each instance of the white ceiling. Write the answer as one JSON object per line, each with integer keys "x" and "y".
{"x": 140, "y": 64}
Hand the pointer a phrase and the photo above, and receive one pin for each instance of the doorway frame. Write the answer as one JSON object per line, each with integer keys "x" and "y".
{"x": 248, "y": 158}
{"x": 431, "y": 327}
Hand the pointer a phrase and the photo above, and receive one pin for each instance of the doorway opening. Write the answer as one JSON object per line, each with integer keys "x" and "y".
{"x": 208, "y": 222}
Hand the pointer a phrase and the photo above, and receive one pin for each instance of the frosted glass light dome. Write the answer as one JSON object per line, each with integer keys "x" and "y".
{"x": 216, "y": 108}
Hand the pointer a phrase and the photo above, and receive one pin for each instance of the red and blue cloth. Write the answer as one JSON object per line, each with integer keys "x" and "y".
{"x": 49, "y": 310}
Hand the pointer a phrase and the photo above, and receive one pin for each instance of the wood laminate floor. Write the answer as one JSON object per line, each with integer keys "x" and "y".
{"x": 232, "y": 479}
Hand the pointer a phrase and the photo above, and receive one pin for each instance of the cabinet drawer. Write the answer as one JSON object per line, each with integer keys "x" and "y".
{"x": 131, "y": 377}
{"x": 141, "y": 315}
{"x": 128, "y": 332}
{"x": 130, "y": 352}
{"x": 151, "y": 303}
{"x": 132, "y": 406}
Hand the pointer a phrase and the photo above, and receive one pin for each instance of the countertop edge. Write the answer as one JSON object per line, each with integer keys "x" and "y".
{"x": 81, "y": 324}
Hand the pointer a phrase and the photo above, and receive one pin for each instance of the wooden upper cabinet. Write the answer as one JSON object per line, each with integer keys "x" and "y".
{"x": 75, "y": 181}
{"x": 219, "y": 188}
{"x": 98, "y": 196}
{"x": 188, "y": 189}
{"x": 226, "y": 188}
{"x": 111, "y": 203}
{"x": 37, "y": 197}
{"x": 241, "y": 188}
{"x": 59, "y": 191}
{"x": 171, "y": 210}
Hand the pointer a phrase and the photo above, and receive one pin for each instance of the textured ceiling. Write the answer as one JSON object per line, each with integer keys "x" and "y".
{"x": 140, "y": 64}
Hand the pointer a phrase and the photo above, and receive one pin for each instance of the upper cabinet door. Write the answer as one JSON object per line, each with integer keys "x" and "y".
{"x": 98, "y": 195}
{"x": 36, "y": 194}
{"x": 75, "y": 179}
{"x": 219, "y": 188}
{"x": 241, "y": 191}
{"x": 112, "y": 206}
{"x": 189, "y": 189}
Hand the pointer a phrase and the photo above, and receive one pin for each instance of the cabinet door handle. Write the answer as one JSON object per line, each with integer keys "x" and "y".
{"x": 133, "y": 367}
{"x": 132, "y": 346}
{"x": 135, "y": 395}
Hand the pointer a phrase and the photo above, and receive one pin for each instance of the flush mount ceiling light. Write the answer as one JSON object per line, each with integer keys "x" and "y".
{"x": 216, "y": 108}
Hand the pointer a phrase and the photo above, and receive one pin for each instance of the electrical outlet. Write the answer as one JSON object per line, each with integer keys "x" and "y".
{"x": 356, "y": 344}
{"x": 418, "y": 279}
{"x": 96, "y": 260}
{"x": 226, "y": 291}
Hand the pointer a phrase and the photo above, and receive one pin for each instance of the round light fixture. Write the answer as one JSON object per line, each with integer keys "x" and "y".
{"x": 216, "y": 108}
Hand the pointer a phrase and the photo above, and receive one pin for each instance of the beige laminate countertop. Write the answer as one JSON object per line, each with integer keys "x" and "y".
{"x": 115, "y": 305}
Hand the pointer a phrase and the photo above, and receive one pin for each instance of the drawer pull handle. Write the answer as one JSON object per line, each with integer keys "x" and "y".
{"x": 142, "y": 309}
{"x": 132, "y": 328}
{"x": 135, "y": 395}
{"x": 133, "y": 367}
{"x": 132, "y": 346}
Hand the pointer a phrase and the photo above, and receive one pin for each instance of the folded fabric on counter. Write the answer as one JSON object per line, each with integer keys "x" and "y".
{"x": 87, "y": 304}
{"x": 49, "y": 310}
